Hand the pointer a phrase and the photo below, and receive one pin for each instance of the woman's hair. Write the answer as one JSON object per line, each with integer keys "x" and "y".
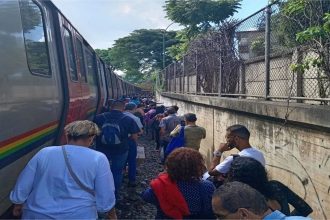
{"x": 185, "y": 164}
{"x": 250, "y": 171}
{"x": 81, "y": 129}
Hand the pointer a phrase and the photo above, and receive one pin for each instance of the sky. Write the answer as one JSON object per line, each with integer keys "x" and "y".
{"x": 101, "y": 22}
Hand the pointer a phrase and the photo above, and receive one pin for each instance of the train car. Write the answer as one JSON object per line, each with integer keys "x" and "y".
{"x": 49, "y": 76}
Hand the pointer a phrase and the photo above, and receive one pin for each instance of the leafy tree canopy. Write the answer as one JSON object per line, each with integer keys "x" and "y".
{"x": 197, "y": 16}
{"x": 140, "y": 53}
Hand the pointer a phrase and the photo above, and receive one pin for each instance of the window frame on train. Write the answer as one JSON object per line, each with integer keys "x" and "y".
{"x": 66, "y": 29}
{"x": 48, "y": 72}
{"x": 82, "y": 65}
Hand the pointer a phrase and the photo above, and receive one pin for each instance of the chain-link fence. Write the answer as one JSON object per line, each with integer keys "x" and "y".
{"x": 258, "y": 57}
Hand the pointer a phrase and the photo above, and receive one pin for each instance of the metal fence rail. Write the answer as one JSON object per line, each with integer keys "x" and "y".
{"x": 248, "y": 60}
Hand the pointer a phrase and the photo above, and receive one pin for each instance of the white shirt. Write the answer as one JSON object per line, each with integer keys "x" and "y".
{"x": 251, "y": 152}
{"x": 47, "y": 190}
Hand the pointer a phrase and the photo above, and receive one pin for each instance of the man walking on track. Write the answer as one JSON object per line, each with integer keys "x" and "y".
{"x": 113, "y": 142}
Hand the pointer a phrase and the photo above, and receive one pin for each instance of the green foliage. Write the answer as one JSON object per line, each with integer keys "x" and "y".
{"x": 199, "y": 15}
{"x": 140, "y": 53}
{"x": 105, "y": 55}
{"x": 178, "y": 50}
{"x": 320, "y": 31}
{"x": 299, "y": 20}
{"x": 312, "y": 34}
{"x": 258, "y": 46}
{"x": 306, "y": 65}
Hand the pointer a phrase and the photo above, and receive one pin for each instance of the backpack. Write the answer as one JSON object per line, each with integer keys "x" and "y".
{"x": 175, "y": 142}
{"x": 111, "y": 134}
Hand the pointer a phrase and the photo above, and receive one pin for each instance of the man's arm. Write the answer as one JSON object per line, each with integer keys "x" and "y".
{"x": 204, "y": 133}
{"x": 112, "y": 214}
{"x": 162, "y": 127}
{"x": 133, "y": 129}
{"x": 176, "y": 131}
{"x": 24, "y": 183}
{"x": 134, "y": 137}
{"x": 218, "y": 168}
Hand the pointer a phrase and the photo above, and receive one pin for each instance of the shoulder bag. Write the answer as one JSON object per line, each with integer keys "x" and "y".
{"x": 73, "y": 175}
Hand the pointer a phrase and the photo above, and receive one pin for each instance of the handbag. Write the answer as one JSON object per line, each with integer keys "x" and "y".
{"x": 176, "y": 142}
{"x": 73, "y": 175}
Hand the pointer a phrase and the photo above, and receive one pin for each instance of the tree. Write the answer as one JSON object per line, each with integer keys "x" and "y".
{"x": 207, "y": 49}
{"x": 140, "y": 53}
{"x": 305, "y": 24}
{"x": 197, "y": 16}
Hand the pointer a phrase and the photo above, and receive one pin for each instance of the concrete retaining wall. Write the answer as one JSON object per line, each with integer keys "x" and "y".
{"x": 297, "y": 150}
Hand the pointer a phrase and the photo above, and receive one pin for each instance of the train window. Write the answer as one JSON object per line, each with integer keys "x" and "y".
{"x": 35, "y": 39}
{"x": 70, "y": 54}
{"x": 81, "y": 61}
{"x": 90, "y": 66}
{"x": 101, "y": 73}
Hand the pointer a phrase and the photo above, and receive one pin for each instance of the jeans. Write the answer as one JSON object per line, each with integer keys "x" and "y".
{"x": 132, "y": 152}
{"x": 118, "y": 163}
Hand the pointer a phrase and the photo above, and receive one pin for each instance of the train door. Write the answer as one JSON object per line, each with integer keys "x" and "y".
{"x": 82, "y": 73}
{"x": 92, "y": 83}
{"x": 74, "y": 86}
{"x": 120, "y": 89}
{"x": 108, "y": 81}
{"x": 101, "y": 83}
{"x": 114, "y": 85}
{"x": 105, "y": 88}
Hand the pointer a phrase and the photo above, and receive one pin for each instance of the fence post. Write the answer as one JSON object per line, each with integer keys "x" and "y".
{"x": 267, "y": 52}
{"x": 180, "y": 78}
{"x": 165, "y": 80}
{"x": 184, "y": 75}
{"x": 220, "y": 74}
{"x": 169, "y": 78}
{"x": 242, "y": 80}
{"x": 196, "y": 64}
{"x": 299, "y": 73}
{"x": 188, "y": 81}
{"x": 174, "y": 76}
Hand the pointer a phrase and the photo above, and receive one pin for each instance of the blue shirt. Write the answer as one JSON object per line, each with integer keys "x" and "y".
{"x": 127, "y": 126}
{"x": 198, "y": 195}
{"x": 280, "y": 216}
{"x": 47, "y": 189}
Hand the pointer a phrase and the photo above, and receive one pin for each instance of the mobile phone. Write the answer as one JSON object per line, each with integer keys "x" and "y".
{"x": 231, "y": 145}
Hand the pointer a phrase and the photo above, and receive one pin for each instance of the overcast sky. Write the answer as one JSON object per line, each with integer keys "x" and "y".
{"x": 101, "y": 22}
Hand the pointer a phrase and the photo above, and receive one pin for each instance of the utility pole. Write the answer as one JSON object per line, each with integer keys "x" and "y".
{"x": 164, "y": 31}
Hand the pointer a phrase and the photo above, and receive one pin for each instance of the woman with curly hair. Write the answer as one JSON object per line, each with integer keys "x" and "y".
{"x": 279, "y": 196}
{"x": 180, "y": 192}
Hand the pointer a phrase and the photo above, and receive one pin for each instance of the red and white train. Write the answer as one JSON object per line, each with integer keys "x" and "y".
{"x": 49, "y": 76}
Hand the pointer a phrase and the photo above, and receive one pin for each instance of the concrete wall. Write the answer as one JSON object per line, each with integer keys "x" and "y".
{"x": 297, "y": 151}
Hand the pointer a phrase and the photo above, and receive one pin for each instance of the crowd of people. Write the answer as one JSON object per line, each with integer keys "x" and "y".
{"x": 82, "y": 179}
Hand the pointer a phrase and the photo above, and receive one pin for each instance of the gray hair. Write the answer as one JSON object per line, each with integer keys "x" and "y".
{"x": 235, "y": 195}
{"x": 81, "y": 129}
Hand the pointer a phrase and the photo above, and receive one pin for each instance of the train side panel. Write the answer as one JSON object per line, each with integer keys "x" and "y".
{"x": 30, "y": 88}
